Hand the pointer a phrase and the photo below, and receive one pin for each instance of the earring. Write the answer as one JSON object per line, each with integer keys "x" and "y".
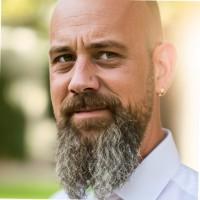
{"x": 162, "y": 92}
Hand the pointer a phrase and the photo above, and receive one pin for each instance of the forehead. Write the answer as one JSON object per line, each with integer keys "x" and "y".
{"x": 96, "y": 19}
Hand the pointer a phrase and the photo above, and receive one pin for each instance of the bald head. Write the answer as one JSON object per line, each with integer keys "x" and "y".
{"x": 154, "y": 22}
{"x": 144, "y": 14}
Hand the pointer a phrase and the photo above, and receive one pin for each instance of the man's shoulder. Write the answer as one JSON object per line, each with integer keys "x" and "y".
{"x": 182, "y": 186}
{"x": 186, "y": 179}
{"x": 184, "y": 183}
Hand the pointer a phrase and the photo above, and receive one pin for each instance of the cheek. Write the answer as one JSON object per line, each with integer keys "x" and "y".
{"x": 127, "y": 83}
{"x": 58, "y": 85}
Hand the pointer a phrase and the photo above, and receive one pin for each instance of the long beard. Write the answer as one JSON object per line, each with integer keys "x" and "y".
{"x": 106, "y": 162}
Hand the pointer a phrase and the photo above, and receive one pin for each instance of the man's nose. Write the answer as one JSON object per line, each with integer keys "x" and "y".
{"x": 83, "y": 77}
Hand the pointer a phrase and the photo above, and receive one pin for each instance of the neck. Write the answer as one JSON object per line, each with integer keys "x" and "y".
{"x": 153, "y": 134}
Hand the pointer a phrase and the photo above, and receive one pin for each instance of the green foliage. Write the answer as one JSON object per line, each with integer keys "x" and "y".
{"x": 31, "y": 13}
{"x": 12, "y": 127}
{"x": 24, "y": 190}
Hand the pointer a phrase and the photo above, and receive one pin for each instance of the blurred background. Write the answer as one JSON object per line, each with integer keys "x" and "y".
{"x": 27, "y": 127}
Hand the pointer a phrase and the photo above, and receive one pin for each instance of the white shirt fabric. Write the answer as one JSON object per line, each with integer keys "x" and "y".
{"x": 160, "y": 176}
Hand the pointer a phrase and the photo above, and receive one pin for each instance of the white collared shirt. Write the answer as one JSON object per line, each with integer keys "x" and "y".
{"x": 160, "y": 176}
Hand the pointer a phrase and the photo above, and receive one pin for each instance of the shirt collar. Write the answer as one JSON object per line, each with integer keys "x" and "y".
{"x": 154, "y": 172}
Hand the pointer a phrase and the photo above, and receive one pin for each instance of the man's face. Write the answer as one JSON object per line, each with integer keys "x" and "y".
{"x": 101, "y": 79}
{"x": 100, "y": 48}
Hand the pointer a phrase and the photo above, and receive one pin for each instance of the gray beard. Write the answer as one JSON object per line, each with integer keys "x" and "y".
{"x": 105, "y": 163}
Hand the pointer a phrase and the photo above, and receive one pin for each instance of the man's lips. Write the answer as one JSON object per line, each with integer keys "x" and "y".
{"x": 88, "y": 110}
{"x": 90, "y": 113}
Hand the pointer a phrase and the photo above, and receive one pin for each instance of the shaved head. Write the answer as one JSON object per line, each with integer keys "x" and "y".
{"x": 145, "y": 12}
{"x": 154, "y": 22}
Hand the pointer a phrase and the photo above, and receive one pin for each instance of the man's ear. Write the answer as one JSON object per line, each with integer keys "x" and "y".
{"x": 164, "y": 59}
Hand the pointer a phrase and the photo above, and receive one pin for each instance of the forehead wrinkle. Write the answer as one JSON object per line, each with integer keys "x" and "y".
{"x": 84, "y": 36}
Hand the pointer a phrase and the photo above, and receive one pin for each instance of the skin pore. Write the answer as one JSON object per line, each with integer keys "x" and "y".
{"x": 112, "y": 48}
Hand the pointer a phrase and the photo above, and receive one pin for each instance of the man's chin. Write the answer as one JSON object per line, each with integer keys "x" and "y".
{"x": 89, "y": 129}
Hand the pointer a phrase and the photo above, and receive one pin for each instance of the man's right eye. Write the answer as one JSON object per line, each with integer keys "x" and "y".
{"x": 65, "y": 58}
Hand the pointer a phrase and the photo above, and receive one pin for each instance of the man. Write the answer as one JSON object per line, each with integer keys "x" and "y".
{"x": 109, "y": 68}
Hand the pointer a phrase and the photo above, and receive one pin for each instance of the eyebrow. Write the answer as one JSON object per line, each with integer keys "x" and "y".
{"x": 107, "y": 44}
{"x": 59, "y": 49}
{"x": 95, "y": 45}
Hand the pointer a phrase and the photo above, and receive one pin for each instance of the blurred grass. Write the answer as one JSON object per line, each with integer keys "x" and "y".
{"x": 30, "y": 190}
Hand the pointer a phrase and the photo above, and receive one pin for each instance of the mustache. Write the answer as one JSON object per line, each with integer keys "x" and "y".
{"x": 88, "y": 101}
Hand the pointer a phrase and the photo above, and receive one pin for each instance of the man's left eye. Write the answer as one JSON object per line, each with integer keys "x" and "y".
{"x": 107, "y": 55}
